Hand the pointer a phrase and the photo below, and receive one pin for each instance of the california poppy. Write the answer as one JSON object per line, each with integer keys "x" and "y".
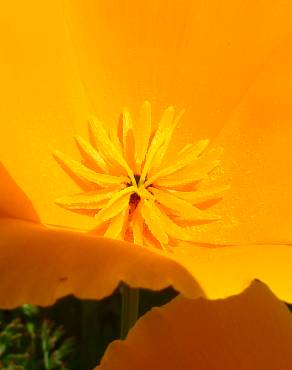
{"x": 250, "y": 331}
{"x": 65, "y": 61}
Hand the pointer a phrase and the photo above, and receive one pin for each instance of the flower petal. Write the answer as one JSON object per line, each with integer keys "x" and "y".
{"x": 42, "y": 104}
{"x": 196, "y": 55}
{"x": 250, "y": 331}
{"x": 13, "y": 202}
{"x": 225, "y": 271}
{"x": 39, "y": 265}
{"x": 256, "y": 161}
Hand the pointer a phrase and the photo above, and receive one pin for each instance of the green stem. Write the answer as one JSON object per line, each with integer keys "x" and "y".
{"x": 46, "y": 353}
{"x": 130, "y": 309}
{"x": 91, "y": 333}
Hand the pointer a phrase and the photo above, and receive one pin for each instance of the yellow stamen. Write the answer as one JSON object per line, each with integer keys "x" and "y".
{"x": 164, "y": 129}
{"x": 110, "y": 211}
{"x": 88, "y": 152}
{"x": 200, "y": 196}
{"x": 128, "y": 139}
{"x": 116, "y": 229}
{"x": 153, "y": 221}
{"x": 142, "y": 134}
{"x": 181, "y": 207}
{"x": 184, "y": 178}
{"x": 108, "y": 148}
{"x": 141, "y": 200}
{"x": 91, "y": 200}
{"x": 187, "y": 157}
{"x": 87, "y": 174}
{"x": 163, "y": 149}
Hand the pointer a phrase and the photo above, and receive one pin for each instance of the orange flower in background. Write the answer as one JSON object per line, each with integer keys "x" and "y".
{"x": 248, "y": 331}
{"x": 205, "y": 227}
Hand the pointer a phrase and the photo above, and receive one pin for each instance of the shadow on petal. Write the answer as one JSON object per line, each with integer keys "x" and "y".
{"x": 13, "y": 202}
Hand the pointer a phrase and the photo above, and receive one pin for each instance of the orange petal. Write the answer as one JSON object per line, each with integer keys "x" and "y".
{"x": 38, "y": 265}
{"x": 13, "y": 202}
{"x": 225, "y": 271}
{"x": 251, "y": 331}
{"x": 196, "y": 55}
{"x": 257, "y": 161}
{"x": 42, "y": 104}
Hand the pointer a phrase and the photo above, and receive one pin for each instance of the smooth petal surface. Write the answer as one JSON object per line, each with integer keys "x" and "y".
{"x": 226, "y": 271}
{"x": 250, "y": 331}
{"x": 257, "y": 161}
{"x": 199, "y": 55}
{"x": 42, "y": 104}
{"x": 13, "y": 202}
{"x": 39, "y": 265}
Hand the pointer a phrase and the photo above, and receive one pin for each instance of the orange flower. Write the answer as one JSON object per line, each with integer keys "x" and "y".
{"x": 249, "y": 331}
{"x": 61, "y": 64}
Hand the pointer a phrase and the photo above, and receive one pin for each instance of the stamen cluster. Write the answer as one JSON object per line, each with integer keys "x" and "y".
{"x": 130, "y": 188}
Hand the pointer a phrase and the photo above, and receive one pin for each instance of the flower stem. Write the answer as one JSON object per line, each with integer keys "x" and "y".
{"x": 130, "y": 309}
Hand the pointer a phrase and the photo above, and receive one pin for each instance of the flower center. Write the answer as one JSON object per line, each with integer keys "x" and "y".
{"x": 137, "y": 178}
{"x": 133, "y": 202}
{"x": 134, "y": 197}
{"x": 131, "y": 188}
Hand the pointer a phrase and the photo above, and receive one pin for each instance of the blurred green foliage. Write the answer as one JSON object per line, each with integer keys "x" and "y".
{"x": 28, "y": 342}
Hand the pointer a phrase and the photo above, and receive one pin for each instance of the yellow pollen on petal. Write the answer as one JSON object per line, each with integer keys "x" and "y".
{"x": 132, "y": 194}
